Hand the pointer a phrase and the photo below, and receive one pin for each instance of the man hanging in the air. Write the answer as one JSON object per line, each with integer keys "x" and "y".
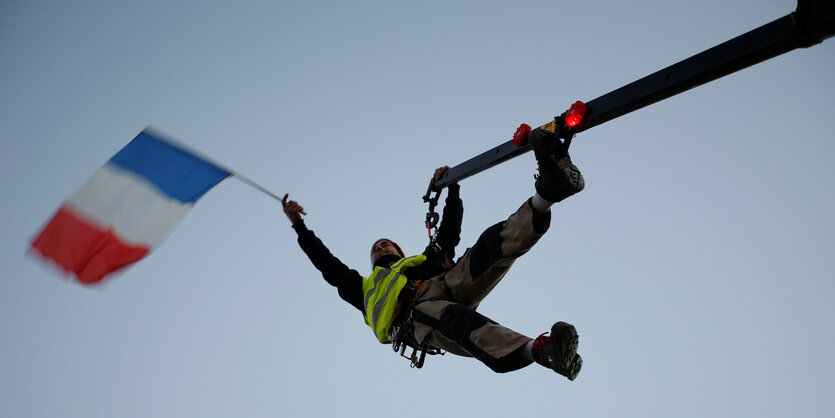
{"x": 428, "y": 302}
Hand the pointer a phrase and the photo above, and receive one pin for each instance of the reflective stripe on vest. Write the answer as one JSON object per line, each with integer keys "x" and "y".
{"x": 382, "y": 289}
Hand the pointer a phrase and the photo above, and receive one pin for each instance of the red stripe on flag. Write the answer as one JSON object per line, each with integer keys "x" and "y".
{"x": 84, "y": 249}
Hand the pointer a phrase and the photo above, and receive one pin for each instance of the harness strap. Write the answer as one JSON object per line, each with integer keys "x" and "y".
{"x": 402, "y": 330}
{"x": 403, "y": 309}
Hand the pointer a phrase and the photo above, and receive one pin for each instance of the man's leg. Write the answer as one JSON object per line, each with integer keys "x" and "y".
{"x": 485, "y": 264}
{"x": 481, "y": 268}
{"x": 461, "y": 330}
{"x": 444, "y": 313}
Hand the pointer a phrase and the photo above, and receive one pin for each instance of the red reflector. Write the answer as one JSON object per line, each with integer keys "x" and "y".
{"x": 575, "y": 114}
{"x": 520, "y": 138}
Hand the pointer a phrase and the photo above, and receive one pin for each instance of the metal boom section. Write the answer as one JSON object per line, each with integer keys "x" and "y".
{"x": 811, "y": 23}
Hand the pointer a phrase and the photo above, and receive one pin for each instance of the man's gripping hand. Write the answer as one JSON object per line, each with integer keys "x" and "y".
{"x": 292, "y": 209}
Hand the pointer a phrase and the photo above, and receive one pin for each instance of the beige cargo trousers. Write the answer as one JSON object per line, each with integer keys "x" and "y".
{"x": 444, "y": 311}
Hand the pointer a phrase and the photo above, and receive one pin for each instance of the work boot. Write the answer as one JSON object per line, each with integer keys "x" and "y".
{"x": 559, "y": 351}
{"x": 558, "y": 177}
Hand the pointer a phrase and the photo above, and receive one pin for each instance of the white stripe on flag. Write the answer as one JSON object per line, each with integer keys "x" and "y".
{"x": 135, "y": 208}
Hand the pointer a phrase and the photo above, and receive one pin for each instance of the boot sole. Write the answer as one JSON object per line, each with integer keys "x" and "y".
{"x": 575, "y": 367}
{"x": 564, "y": 343}
{"x": 564, "y": 178}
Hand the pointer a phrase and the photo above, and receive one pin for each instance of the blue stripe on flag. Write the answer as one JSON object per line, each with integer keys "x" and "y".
{"x": 176, "y": 172}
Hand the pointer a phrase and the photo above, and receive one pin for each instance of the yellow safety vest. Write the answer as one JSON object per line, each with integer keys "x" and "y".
{"x": 381, "y": 290}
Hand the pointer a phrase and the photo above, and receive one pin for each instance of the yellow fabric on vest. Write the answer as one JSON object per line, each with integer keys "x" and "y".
{"x": 381, "y": 290}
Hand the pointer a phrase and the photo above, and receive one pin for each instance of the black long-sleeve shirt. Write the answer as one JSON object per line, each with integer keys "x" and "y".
{"x": 349, "y": 282}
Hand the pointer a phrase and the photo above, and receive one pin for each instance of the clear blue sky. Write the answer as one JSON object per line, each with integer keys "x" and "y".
{"x": 696, "y": 265}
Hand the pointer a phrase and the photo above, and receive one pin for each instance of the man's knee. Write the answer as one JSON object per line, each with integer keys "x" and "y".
{"x": 456, "y": 323}
{"x": 486, "y": 251}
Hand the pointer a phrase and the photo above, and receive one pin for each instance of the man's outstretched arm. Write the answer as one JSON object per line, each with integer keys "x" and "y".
{"x": 347, "y": 281}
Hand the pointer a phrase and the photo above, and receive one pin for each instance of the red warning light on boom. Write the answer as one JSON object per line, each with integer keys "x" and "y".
{"x": 574, "y": 115}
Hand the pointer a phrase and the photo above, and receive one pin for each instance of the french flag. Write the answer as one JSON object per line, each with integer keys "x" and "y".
{"x": 126, "y": 208}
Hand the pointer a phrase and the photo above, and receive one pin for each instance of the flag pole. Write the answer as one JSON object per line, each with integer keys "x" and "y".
{"x": 258, "y": 187}
{"x": 155, "y": 132}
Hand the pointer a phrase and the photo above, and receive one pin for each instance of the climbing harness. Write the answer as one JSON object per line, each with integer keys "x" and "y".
{"x": 402, "y": 334}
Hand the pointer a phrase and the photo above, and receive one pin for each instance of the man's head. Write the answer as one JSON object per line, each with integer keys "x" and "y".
{"x": 384, "y": 246}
